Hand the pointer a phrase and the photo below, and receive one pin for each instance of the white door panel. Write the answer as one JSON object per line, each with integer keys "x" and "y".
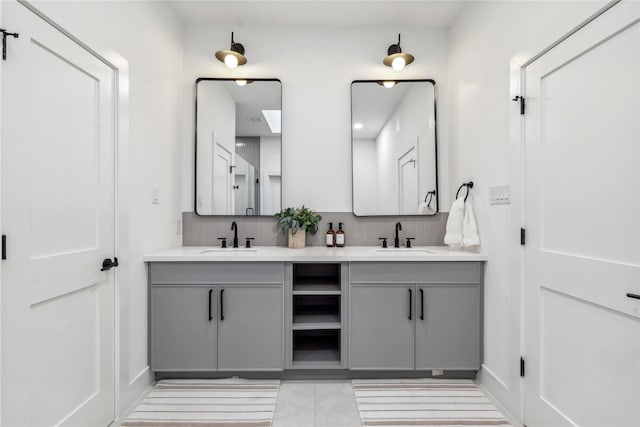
{"x": 222, "y": 180}
{"x": 58, "y": 213}
{"x": 408, "y": 182}
{"x": 582, "y": 212}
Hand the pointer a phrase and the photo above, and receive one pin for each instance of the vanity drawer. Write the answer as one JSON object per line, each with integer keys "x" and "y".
{"x": 416, "y": 272}
{"x": 192, "y": 273}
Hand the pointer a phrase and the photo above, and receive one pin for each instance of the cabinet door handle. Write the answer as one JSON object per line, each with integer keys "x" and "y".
{"x": 634, "y": 296}
{"x": 221, "y": 304}
{"x": 421, "y": 304}
{"x": 210, "y": 316}
{"x": 410, "y": 301}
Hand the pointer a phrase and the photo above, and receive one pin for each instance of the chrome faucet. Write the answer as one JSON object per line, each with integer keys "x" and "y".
{"x": 396, "y": 242}
{"x": 234, "y": 227}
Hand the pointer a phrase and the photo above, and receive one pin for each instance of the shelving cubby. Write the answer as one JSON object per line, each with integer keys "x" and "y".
{"x": 316, "y": 315}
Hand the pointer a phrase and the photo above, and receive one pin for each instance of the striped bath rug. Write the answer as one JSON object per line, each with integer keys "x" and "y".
{"x": 425, "y": 402}
{"x": 207, "y": 403}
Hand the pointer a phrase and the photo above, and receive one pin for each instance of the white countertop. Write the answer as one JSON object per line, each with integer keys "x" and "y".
{"x": 312, "y": 253}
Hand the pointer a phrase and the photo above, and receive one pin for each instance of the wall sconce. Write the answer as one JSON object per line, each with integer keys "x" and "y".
{"x": 232, "y": 57}
{"x": 395, "y": 58}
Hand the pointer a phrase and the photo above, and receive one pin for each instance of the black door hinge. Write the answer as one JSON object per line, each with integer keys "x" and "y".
{"x": 522, "y": 366}
{"x": 6, "y": 34}
{"x": 523, "y": 236}
{"x": 522, "y": 103}
{"x": 4, "y": 246}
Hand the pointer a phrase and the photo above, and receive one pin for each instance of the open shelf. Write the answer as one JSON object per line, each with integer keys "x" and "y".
{"x": 316, "y": 287}
{"x": 316, "y": 321}
{"x": 316, "y": 349}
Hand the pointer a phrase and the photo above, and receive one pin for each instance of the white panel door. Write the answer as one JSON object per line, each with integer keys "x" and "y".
{"x": 58, "y": 214}
{"x": 582, "y": 148}
{"x": 222, "y": 180}
{"x": 408, "y": 182}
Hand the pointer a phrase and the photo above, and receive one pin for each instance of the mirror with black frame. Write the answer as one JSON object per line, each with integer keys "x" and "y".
{"x": 394, "y": 147}
{"x": 238, "y": 147}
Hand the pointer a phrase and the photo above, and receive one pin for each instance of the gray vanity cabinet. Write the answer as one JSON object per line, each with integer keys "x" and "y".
{"x": 416, "y": 316}
{"x": 382, "y": 327}
{"x": 448, "y": 327}
{"x": 216, "y": 316}
{"x": 183, "y": 337}
{"x": 251, "y": 321}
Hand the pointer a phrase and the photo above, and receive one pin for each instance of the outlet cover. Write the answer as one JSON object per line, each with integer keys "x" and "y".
{"x": 500, "y": 195}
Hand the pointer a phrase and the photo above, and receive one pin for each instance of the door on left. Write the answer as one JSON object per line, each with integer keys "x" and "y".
{"x": 58, "y": 145}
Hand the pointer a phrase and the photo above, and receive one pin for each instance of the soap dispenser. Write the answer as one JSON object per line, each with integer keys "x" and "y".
{"x": 340, "y": 236}
{"x": 331, "y": 236}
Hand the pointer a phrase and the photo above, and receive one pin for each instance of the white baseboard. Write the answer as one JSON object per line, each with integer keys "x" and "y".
{"x": 138, "y": 388}
{"x": 487, "y": 380}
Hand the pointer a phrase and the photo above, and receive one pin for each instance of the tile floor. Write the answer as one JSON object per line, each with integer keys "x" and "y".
{"x": 316, "y": 404}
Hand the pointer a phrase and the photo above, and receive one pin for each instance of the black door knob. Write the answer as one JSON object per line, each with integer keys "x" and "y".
{"x": 108, "y": 264}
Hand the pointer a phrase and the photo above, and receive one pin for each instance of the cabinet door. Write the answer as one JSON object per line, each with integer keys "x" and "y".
{"x": 382, "y": 327}
{"x": 183, "y": 328}
{"x": 251, "y": 328}
{"x": 448, "y": 329}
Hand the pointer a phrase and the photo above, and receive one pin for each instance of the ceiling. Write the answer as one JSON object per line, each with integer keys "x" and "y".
{"x": 372, "y": 105}
{"x": 434, "y": 14}
{"x": 250, "y": 101}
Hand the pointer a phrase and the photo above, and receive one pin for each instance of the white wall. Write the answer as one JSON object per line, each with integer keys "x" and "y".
{"x": 216, "y": 120}
{"x": 149, "y": 36}
{"x": 484, "y": 40}
{"x": 316, "y": 66}
{"x": 365, "y": 176}
{"x": 270, "y": 168}
{"x": 410, "y": 125}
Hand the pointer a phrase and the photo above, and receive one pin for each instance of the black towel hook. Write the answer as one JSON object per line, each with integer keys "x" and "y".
{"x": 468, "y": 186}
{"x": 430, "y": 195}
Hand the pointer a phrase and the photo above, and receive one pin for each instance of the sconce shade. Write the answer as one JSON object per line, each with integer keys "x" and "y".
{"x": 396, "y": 58}
{"x": 232, "y": 57}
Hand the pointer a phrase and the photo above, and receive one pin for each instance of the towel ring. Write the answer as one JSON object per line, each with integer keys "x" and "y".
{"x": 429, "y": 197}
{"x": 468, "y": 185}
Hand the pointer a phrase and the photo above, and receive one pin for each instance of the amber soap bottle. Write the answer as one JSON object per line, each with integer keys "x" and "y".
{"x": 340, "y": 236}
{"x": 331, "y": 236}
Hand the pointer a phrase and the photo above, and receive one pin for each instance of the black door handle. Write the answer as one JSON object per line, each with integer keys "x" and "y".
{"x": 107, "y": 264}
{"x": 221, "y": 305}
{"x": 421, "y": 304}
{"x": 210, "y": 316}
{"x": 410, "y": 301}
{"x": 634, "y": 296}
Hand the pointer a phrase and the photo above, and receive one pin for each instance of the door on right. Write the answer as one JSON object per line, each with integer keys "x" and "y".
{"x": 582, "y": 213}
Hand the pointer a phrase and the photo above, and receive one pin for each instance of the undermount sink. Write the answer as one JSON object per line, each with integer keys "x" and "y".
{"x": 400, "y": 251}
{"x": 228, "y": 250}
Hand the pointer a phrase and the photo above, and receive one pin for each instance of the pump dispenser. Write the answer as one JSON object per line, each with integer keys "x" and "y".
{"x": 331, "y": 236}
{"x": 340, "y": 236}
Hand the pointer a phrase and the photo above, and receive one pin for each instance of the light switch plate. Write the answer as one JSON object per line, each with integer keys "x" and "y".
{"x": 500, "y": 195}
{"x": 155, "y": 196}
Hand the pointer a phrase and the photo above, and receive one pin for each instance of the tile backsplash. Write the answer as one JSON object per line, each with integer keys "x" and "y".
{"x": 359, "y": 231}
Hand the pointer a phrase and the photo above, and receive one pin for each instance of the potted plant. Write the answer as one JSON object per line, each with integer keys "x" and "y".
{"x": 297, "y": 222}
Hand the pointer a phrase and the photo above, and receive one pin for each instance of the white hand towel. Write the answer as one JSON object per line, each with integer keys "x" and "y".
{"x": 470, "y": 236}
{"x": 453, "y": 236}
{"x": 425, "y": 209}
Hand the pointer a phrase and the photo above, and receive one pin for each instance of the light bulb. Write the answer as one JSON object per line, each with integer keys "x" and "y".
{"x": 388, "y": 84}
{"x": 241, "y": 82}
{"x": 232, "y": 62}
{"x": 398, "y": 63}
{"x": 357, "y": 126}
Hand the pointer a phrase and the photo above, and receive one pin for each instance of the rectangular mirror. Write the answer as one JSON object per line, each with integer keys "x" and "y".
{"x": 238, "y": 147}
{"x": 394, "y": 147}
